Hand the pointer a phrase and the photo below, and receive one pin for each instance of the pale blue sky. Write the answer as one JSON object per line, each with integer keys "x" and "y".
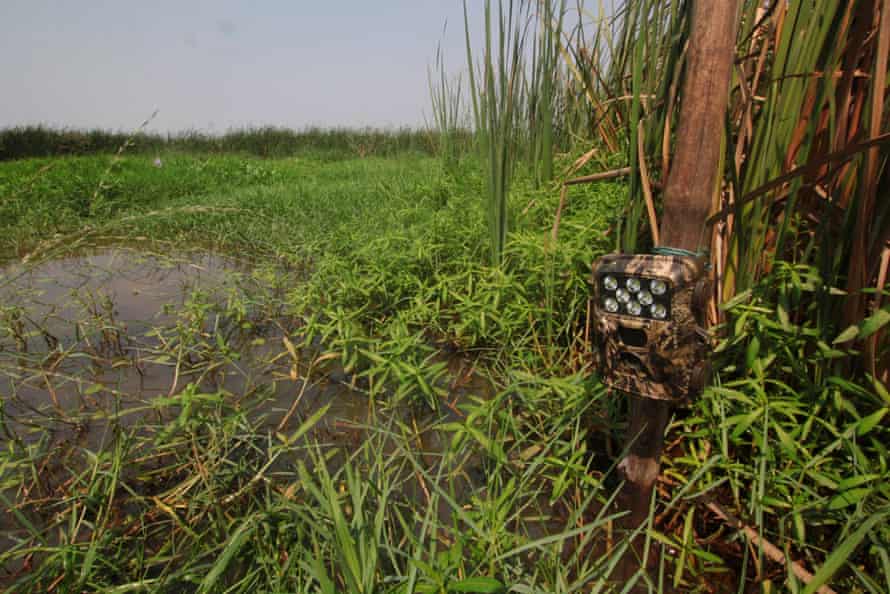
{"x": 212, "y": 65}
{"x": 216, "y": 64}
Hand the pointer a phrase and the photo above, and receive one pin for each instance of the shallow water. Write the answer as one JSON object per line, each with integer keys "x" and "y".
{"x": 88, "y": 337}
{"x": 95, "y": 339}
{"x": 111, "y": 337}
{"x": 138, "y": 283}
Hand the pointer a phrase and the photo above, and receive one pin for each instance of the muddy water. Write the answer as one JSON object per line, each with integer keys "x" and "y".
{"x": 136, "y": 283}
{"x": 98, "y": 340}
{"x": 98, "y": 335}
{"x": 93, "y": 339}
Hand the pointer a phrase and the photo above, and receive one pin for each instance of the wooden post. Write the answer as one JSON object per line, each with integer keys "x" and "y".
{"x": 694, "y": 173}
{"x": 691, "y": 184}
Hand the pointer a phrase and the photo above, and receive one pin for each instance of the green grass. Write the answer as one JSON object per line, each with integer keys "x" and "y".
{"x": 316, "y": 200}
{"x": 393, "y": 260}
{"x": 392, "y": 278}
{"x": 392, "y": 270}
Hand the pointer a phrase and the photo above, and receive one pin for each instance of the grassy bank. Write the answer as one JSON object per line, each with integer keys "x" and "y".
{"x": 390, "y": 276}
{"x": 315, "y": 198}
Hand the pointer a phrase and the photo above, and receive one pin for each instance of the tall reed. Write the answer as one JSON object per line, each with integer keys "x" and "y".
{"x": 805, "y": 157}
{"x": 446, "y": 98}
{"x": 268, "y": 142}
{"x": 495, "y": 90}
{"x": 544, "y": 88}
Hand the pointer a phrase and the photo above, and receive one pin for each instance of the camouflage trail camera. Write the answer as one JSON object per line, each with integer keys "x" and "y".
{"x": 651, "y": 314}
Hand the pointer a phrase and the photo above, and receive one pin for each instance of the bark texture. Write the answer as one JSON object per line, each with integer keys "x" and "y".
{"x": 693, "y": 178}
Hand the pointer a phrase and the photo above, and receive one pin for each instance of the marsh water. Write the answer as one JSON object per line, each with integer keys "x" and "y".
{"x": 101, "y": 335}
{"x": 98, "y": 335}
{"x": 121, "y": 337}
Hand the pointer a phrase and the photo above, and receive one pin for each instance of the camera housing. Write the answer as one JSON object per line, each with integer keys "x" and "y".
{"x": 650, "y": 317}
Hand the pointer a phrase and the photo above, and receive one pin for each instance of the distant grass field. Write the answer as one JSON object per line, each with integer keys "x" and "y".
{"x": 392, "y": 283}
{"x": 314, "y": 197}
{"x": 37, "y": 141}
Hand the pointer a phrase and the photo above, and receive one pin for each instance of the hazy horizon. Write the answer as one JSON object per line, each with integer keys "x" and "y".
{"x": 214, "y": 66}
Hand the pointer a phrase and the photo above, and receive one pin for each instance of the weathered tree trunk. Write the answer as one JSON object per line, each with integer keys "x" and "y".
{"x": 695, "y": 173}
{"x": 691, "y": 185}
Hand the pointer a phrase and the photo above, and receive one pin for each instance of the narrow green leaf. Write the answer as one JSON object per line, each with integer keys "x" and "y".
{"x": 477, "y": 585}
{"x": 309, "y": 423}
{"x": 874, "y": 322}
{"x": 855, "y": 481}
{"x": 222, "y": 562}
{"x": 737, "y": 300}
{"x": 847, "y": 335}
{"x": 864, "y": 426}
{"x": 848, "y": 498}
{"x": 843, "y": 552}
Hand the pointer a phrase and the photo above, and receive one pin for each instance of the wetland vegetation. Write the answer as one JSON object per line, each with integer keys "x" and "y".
{"x": 356, "y": 291}
{"x": 361, "y": 362}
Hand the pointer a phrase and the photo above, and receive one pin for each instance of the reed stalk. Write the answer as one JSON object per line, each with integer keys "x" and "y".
{"x": 496, "y": 93}
{"x": 543, "y": 93}
{"x": 446, "y": 96}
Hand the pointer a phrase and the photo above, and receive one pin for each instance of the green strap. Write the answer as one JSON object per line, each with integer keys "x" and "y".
{"x": 664, "y": 250}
